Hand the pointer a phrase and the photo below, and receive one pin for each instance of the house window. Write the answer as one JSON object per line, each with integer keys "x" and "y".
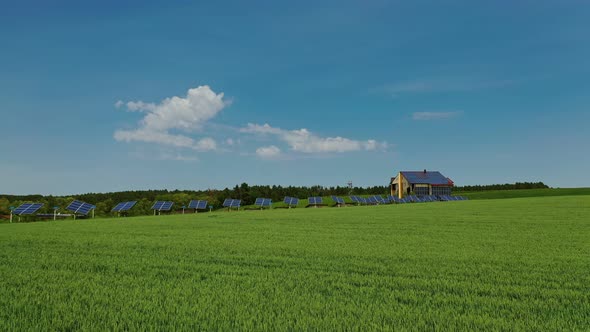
{"x": 421, "y": 191}
{"x": 441, "y": 190}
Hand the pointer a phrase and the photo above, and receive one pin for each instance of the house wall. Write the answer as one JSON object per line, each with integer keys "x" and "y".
{"x": 400, "y": 183}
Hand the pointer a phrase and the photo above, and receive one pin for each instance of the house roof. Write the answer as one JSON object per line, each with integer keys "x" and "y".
{"x": 422, "y": 177}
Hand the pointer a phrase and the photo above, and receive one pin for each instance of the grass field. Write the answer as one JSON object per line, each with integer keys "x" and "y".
{"x": 495, "y": 194}
{"x": 510, "y": 264}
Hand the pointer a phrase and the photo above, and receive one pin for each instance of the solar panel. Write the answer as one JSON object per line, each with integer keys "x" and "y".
{"x": 124, "y": 206}
{"x": 314, "y": 200}
{"x": 27, "y": 209}
{"x": 236, "y": 203}
{"x": 227, "y": 202}
{"x": 362, "y": 200}
{"x": 80, "y": 207}
{"x": 259, "y": 201}
{"x": 354, "y": 199}
{"x": 291, "y": 201}
{"x": 267, "y": 202}
{"x": 162, "y": 206}
{"x": 118, "y": 207}
{"x": 197, "y": 205}
{"x": 338, "y": 200}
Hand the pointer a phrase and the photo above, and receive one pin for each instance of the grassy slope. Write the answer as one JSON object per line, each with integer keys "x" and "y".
{"x": 501, "y": 264}
{"x": 494, "y": 194}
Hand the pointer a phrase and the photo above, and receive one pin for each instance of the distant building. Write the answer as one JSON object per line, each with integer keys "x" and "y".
{"x": 420, "y": 183}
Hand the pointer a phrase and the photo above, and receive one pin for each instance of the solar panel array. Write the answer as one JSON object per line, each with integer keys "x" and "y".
{"x": 263, "y": 202}
{"x": 162, "y": 206}
{"x": 230, "y": 202}
{"x": 197, "y": 204}
{"x": 338, "y": 200}
{"x": 124, "y": 206}
{"x": 291, "y": 201}
{"x": 27, "y": 209}
{"x": 314, "y": 200}
{"x": 79, "y": 207}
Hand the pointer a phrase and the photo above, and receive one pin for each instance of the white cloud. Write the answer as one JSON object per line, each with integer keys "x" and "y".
{"x": 187, "y": 114}
{"x": 268, "y": 152}
{"x": 179, "y": 141}
{"x": 437, "y": 85}
{"x": 304, "y": 141}
{"x": 426, "y": 116}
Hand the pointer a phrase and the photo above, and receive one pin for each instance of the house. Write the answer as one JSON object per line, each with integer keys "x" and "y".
{"x": 420, "y": 183}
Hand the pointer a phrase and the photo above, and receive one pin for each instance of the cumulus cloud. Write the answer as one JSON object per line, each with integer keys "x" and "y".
{"x": 268, "y": 152}
{"x": 427, "y": 116}
{"x": 187, "y": 114}
{"x": 304, "y": 141}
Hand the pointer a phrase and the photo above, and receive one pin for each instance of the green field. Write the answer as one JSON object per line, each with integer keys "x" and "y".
{"x": 519, "y": 193}
{"x": 510, "y": 264}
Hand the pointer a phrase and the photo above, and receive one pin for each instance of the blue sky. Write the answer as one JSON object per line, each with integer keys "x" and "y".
{"x": 100, "y": 96}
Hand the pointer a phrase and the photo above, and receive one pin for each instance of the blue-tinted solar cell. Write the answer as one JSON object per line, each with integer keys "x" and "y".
{"x": 227, "y": 202}
{"x": 157, "y": 205}
{"x": 118, "y": 207}
{"x": 129, "y": 205}
{"x": 236, "y": 203}
{"x": 124, "y": 206}
{"x": 80, "y": 207}
{"x": 259, "y": 201}
{"x": 338, "y": 200}
{"x": 291, "y": 201}
{"x": 314, "y": 200}
{"x": 162, "y": 206}
{"x": 197, "y": 204}
{"x": 267, "y": 202}
{"x": 27, "y": 209}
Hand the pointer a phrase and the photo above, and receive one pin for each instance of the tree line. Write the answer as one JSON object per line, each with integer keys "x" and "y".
{"x": 506, "y": 186}
{"x": 145, "y": 198}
